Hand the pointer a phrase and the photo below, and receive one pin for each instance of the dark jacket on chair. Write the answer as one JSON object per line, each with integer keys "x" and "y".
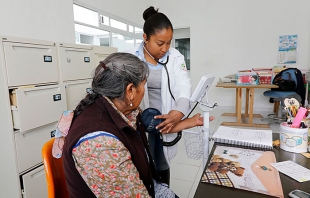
{"x": 299, "y": 89}
{"x": 101, "y": 116}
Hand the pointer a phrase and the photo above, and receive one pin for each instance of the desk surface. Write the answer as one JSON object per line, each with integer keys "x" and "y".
{"x": 234, "y": 85}
{"x": 206, "y": 190}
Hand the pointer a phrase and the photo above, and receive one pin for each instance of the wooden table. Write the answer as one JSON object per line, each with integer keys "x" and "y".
{"x": 249, "y": 103}
{"x": 206, "y": 190}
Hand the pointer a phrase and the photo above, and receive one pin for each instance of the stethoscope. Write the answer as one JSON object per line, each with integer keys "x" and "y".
{"x": 179, "y": 136}
{"x": 165, "y": 66}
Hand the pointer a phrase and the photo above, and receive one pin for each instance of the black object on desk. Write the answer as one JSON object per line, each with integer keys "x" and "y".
{"x": 206, "y": 190}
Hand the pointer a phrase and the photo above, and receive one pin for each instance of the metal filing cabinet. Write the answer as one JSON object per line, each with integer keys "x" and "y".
{"x": 76, "y": 62}
{"x": 30, "y": 63}
{"x": 76, "y": 91}
{"x": 38, "y": 81}
{"x": 101, "y": 52}
{"x": 31, "y": 80}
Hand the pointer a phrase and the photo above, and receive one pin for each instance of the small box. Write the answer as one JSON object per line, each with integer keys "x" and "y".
{"x": 264, "y": 78}
{"x": 264, "y": 74}
{"x": 246, "y": 77}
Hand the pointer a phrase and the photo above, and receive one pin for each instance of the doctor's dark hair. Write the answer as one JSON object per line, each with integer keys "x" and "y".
{"x": 155, "y": 22}
{"x": 112, "y": 76}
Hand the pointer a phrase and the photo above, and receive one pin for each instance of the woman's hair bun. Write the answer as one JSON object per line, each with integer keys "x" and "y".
{"x": 149, "y": 12}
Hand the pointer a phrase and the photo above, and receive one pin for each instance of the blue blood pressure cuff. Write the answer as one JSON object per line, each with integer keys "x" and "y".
{"x": 149, "y": 121}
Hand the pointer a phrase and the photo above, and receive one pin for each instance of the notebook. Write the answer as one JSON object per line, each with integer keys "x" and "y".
{"x": 244, "y": 137}
{"x": 244, "y": 169}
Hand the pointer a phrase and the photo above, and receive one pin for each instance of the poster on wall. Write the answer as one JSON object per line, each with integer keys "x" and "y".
{"x": 287, "y": 49}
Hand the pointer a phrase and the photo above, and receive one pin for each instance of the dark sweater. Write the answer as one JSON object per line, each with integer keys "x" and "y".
{"x": 101, "y": 116}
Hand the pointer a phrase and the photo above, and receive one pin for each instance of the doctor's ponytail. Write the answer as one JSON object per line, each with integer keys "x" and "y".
{"x": 155, "y": 22}
{"x": 149, "y": 12}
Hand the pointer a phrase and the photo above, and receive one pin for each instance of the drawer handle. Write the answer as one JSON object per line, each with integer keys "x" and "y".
{"x": 57, "y": 97}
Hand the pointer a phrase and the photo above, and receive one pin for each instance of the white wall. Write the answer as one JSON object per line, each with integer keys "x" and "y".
{"x": 38, "y": 19}
{"x": 230, "y": 35}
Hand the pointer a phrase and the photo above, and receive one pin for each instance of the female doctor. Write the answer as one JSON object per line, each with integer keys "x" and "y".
{"x": 168, "y": 91}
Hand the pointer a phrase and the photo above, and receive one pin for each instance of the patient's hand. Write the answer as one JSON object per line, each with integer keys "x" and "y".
{"x": 199, "y": 119}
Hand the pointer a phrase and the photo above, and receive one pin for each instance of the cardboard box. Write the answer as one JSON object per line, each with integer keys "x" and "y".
{"x": 246, "y": 77}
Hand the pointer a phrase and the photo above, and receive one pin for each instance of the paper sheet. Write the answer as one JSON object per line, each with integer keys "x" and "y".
{"x": 293, "y": 170}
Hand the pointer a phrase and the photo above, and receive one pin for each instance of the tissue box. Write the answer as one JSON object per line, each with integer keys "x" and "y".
{"x": 247, "y": 77}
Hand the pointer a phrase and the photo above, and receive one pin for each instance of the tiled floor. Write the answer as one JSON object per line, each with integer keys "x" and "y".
{"x": 185, "y": 172}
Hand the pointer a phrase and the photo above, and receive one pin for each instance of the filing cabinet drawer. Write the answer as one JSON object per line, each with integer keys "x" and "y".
{"x": 101, "y": 52}
{"x": 76, "y": 91}
{"x": 29, "y": 64}
{"x": 29, "y": 145}
{"x": 76, "y": 62}
{"x": 34, "y": 183}
{"x": 39, "y": 106}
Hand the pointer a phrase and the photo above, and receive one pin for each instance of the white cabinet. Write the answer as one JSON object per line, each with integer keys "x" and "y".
{"x": 29, "y": 145}
{"x": 42, "y": 79}
{"x": 39, "y": 106}
{"x": 76, "y": 62}
{"x": 76, "y": 91}
{"x": 34, "y": 183}
{"x": 101, "y": 52}
{"x": 28, "y": 64}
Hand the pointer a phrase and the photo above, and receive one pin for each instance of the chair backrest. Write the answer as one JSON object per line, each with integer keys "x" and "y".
{"x": 291, "y": 71}
{"x": 55, "y": 176}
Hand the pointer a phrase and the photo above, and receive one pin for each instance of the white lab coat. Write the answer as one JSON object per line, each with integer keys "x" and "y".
{"x": 180, "y": 87}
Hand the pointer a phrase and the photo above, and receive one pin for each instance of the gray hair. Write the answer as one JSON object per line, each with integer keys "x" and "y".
{"x": 121, "y": 69}
{"x": 112, "y": 76}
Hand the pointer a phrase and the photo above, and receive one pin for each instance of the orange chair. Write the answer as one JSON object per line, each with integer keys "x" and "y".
{"x": 55, "y": 176}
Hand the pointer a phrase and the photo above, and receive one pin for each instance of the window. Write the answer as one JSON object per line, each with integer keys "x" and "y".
{"x": 95, "y": 27}
{"x": 89, "y": 35}
{"x": 183, "y": 45}
{"x": 80, "y": 14}
{"x": 104, "y": 20}
{"x": 118, "y": 25}
{"x": 123, "y": 43}
{"x": 138, "y": 30}
{"x": 130, "y": 28}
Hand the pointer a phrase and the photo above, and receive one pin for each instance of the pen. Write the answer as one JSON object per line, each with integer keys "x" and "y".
{"x": 289, "y": 112}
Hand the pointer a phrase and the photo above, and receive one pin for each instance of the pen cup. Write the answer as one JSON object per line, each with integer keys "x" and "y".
{"x": 293, "y": 139}
{"x": 308, "y": 139}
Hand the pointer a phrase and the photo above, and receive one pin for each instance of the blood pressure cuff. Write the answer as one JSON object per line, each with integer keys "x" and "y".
{"x": 149, "y": 121}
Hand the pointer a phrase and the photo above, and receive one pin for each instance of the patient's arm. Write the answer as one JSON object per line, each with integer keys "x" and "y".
{"x": 196, "y": 120}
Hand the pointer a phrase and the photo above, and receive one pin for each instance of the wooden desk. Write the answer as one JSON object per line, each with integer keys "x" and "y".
{"x": 206, "y": 190}
{"x": 248, "y": 104}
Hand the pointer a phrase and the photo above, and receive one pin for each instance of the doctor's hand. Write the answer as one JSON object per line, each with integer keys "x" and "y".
{"x": 171, "y": 119}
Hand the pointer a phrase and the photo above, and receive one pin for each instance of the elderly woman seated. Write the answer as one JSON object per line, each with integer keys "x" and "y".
{"x": 106, "y": 151}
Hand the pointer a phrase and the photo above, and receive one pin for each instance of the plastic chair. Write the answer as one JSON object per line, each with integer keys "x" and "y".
{"x": 281, "y": 95}
{"x": 55, "y": 176}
